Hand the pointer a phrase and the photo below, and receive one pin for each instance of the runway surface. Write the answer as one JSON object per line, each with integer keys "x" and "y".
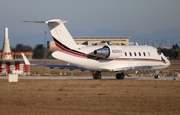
{"x": 88, "y": 78}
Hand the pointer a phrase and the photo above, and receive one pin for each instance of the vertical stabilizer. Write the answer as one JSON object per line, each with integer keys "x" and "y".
{"x": 6, "y": 46}
{"x": 60, "y": 34}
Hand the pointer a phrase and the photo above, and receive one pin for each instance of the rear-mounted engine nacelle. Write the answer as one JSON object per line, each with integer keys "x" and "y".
{"x": 109, "y": 52}
{"x": 102, "y": 52}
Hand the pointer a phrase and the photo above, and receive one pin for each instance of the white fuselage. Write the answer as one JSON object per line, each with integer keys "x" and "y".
{"x": 103, "y": 58}
{"x": 131, "y": 57}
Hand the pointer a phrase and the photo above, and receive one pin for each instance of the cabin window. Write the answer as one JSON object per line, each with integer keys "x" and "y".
{"x": 134, "y": 53}
{"x": 139, "y": 53}
{"x": 144, "y": 53}
{"x": 125, "y": 54}
{"x": 149, "y": 54}
{"x": 130, "y": 53}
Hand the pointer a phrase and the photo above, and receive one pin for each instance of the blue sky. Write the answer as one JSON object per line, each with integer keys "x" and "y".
{"x": 143, "y": 19}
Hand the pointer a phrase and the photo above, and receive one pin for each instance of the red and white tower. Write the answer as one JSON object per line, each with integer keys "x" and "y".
{"x": 6, "y": 51}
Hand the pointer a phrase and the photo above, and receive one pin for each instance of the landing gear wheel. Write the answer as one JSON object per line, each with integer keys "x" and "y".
{"x": 97, "y": 75}
{"x": 120, "y": 76}
{"x": 156, "y": 76}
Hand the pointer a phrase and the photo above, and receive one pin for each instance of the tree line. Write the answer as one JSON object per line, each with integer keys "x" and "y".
{"x": 40, "y": 52}
{"x": 172, "y": 53}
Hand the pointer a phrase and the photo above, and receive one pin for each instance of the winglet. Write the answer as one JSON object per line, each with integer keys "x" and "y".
{"x": 25, "y": 59}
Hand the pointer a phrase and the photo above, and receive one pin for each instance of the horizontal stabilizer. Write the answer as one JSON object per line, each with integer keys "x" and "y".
{"x": 35, "y": 21}
{"x": 46, "y": 22}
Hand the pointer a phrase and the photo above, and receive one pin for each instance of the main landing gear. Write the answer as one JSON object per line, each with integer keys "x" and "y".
{"x": 97, "y": 75}
{"x": 120, "y": 75}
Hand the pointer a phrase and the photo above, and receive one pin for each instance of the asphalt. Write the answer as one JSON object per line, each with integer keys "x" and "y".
{"x": 87, "y": 78}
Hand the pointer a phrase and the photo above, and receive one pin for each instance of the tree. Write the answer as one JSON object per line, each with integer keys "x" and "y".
{"x": 22, "y": 48}
{"x": 175, "y": 47}
{"x": 38, "y": 52}
{"x": 173, "y": 53}
{"x": 176, "y": 51}
{"x": 167, "y": 52}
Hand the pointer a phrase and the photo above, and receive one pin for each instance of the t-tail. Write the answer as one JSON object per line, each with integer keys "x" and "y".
{"x": 60, "y": 34}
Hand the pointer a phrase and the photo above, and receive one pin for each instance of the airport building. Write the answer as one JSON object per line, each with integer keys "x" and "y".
{"x": 94, "y": 41}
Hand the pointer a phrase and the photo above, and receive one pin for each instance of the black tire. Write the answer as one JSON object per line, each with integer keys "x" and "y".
{"x": 117, "y": 76}
{"x": 156, "y": 76}
{"x": 120, "y": 76}
{"x": 97, "y": 75}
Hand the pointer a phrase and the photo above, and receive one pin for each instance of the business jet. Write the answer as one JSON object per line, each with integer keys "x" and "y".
{"x": 113, "y": 58}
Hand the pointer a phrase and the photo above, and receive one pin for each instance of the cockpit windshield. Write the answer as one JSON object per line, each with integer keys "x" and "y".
{"x": 159, "y": 52}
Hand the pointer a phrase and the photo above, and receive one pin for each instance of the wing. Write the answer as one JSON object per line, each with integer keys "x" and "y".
{"x": 71, "y": 67}
{"x": 125, "y": 69}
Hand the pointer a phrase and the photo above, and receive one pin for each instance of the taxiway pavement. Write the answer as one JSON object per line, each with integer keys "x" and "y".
{"x": 88, "y": 78}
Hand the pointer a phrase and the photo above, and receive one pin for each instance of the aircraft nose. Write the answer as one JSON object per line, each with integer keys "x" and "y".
{"x": 167, "y": 62}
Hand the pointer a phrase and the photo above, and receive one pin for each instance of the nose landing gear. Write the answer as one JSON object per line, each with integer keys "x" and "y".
{"x": 156, "y": 76}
